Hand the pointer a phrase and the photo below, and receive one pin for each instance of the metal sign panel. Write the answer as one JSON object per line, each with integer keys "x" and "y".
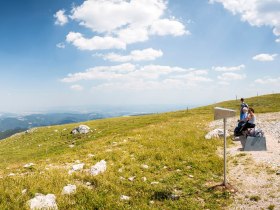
{"x": 221, "y": 113}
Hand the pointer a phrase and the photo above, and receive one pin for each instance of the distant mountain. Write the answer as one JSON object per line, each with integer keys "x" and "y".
{"x": 12, "y": 123}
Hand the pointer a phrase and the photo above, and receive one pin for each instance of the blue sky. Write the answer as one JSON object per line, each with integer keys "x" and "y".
{"x": 75, "y": 53}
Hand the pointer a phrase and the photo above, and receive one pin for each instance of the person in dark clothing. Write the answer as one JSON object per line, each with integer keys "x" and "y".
{"x": 242, "y": 105}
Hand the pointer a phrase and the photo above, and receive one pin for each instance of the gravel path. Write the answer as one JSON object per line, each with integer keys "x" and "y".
{"x": 254, "y": 174}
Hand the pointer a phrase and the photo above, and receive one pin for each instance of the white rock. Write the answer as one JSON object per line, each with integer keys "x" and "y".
{"x": 78, "y": 167}
{"x": 154, "y": 183}
{"x": 11, "y": 174}
{"x": 98, "y": 168}
{"x": 88, "y": 184}
{"x": 69, "y": 189}
{"x": 82, "y": 129}
{"x": 144, "y": 166}
{"x": 43, "y": 202}
{"x": 124, "y": 197}
{"x": 71, "y": 145}
{"x": 91, "y": 155}
{"x": 28, "y": 165}
{"x": 131, "y": 178}
{"x": 23, "y": 191}
{"x": 216, "y": 133}
{"x": 144, "y": 179}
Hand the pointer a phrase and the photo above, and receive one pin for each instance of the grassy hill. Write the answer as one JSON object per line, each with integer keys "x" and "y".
{"x": 180, "y": 161}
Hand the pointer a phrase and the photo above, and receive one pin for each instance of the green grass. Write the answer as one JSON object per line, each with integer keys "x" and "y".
{"x": 171, "y": 144}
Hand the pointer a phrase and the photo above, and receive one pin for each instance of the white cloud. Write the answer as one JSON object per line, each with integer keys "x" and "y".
{"x": 164, "y": 27}
{"x": 77, "y": 87}
{"x": 228, "y": 68}
{"x": 61, "y": 18}
{"x": 60, "y": 45}
{"x": 231, "y": 76}
{"x": 101, "y": 73}
{"x": 135, "y": 55}
{"x": 268, "y": 81}
{"x": 264, "y": 57}
{"x": 255, "y": 12}
{"x": 95, "y": 43}
{"x": 223, "y": 83}
{"x": 126, "y": 21}
{"x": 153, "y": 76}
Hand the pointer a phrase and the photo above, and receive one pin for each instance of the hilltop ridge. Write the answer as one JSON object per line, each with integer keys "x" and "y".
{"x": 178, "y": 161}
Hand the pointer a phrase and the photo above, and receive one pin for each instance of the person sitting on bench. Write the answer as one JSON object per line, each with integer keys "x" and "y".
{"x": 250, "y": 120}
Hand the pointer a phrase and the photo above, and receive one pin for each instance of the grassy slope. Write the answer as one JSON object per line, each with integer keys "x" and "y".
{"x": 171, "y": 144}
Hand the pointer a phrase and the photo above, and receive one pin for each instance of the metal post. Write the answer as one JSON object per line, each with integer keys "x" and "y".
{"x": 225, "y": 146}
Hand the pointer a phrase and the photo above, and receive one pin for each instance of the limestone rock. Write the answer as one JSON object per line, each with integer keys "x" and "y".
{"x": 216, "y": 133}
{"x": 82, "y": 129}
{"x": 124, "y": 197}
{"x": 69, "y": 189}
{"x": 43, "y": 202}
{"x": 28, "y": 165}
{"x": 78, "y": 167}
{"x": 98, "y": 168}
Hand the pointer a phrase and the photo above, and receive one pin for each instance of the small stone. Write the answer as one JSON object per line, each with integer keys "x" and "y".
{"x": 98, "y": 168}
{"x": 165, "y": 167}
{"x": 131, "y": 178}
{"x": 78, "y": 167}
{"x": 151, "y": 202}
{"x": 278, "y": 172}
{"x": 91, "y": 155}
{"x": 144, "y": 179}
{"x": 11, "y": 174}
{"x": 28, "y": 165}
{"x": 154, "y": 183}
{"x": 88, "y": 184}
{"x": 124, "y": 197}
{"x": 191, "y": 176}
{"x": 43, "y": 202}
{"x": 24, "y": 191}
{"x": 71, "y": 145}
{"x": 69, "y": 189}
{"x": 144, "y": 166}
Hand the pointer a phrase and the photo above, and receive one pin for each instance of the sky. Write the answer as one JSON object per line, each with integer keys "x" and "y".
{"x": 136, "y": 52}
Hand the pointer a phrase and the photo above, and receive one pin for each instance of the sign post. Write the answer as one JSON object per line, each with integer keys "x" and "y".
{"x": 222, "y": 113}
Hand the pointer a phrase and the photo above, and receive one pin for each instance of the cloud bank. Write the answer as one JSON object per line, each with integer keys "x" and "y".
{"x": 118, "y": 23}
{"x": 256, "y": 12}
